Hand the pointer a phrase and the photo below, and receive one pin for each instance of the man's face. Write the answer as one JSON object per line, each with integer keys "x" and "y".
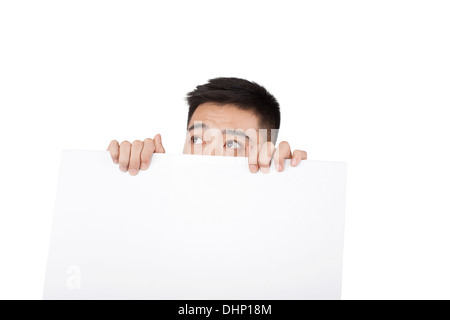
{"x": 223, "y": 130}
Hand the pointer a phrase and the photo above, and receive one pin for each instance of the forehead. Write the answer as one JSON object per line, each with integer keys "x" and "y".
{"x": 225, "y": 116}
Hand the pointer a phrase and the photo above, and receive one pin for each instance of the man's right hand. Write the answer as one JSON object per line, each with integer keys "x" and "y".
{"x": 135, "y": 156}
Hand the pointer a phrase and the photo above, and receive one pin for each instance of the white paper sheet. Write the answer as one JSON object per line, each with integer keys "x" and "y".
{"x": 196, "y": 227}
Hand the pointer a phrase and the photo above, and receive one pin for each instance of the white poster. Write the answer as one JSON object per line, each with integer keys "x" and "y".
{"x": 196, "y": 227}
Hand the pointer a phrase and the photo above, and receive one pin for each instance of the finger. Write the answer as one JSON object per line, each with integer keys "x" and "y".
{"x": 135, "y": 157}
{"x": 124, "y": 155}
{"x": 297, "y": 156}
{"x": 146, "y": 154}
{"x": 281, "y": 154}
{"x": 253, "y": 159}
{"x": 113, "y": 149}
{"x": 265, "y": 156}
{"x": 158, "y": 144}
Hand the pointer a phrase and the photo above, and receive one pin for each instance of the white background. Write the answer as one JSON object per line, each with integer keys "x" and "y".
{"x": 366, "y": 82}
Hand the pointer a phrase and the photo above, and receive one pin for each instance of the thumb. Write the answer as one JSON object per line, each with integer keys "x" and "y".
{"x": 158, "y": 144}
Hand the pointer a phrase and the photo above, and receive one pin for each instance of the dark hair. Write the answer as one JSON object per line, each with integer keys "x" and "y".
{"x": 243, "y": 94}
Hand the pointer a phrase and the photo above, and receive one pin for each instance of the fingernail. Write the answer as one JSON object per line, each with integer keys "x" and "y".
{"x": 123, "y": 169}
{"x": 144, "y": 166}
{"x": 158, "y": 138}
{"x": 116, "y": 161}
{"x": 133, "y": 172}
{"x": 294, "y": 161}
{"x": 253, "y": 168}
{"x": 265, "y": 169}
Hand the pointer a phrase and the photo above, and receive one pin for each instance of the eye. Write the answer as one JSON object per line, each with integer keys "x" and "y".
{"x": 196, "y": 140}
{"x": 233, "y": 144}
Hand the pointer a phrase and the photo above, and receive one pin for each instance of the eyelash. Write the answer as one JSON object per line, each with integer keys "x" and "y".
{"x": 195, "y": 137}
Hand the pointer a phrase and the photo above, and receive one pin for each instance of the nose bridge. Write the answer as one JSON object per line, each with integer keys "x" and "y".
{"x": 214, "y": 145}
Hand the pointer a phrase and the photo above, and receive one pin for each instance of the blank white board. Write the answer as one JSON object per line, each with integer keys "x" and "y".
{"x": 196, "y": 227}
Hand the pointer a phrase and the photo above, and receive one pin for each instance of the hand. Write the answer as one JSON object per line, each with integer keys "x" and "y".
{"x": 136, "y": 156}
{"x": 262, "y": 159}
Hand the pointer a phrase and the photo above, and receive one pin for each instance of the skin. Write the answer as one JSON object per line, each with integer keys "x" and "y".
{"x": 218, "y": 130}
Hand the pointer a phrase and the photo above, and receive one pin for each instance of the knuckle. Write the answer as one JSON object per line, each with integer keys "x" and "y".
{"x": 271, "y": 147}
{"x": 137, "y": 143}
{"x": 151, "y": 146}
{"x": 264, "y": 162}
{"x": 284, "y": 147}
{"x": 114, "y": 151}
{"x": 125, "y": 144}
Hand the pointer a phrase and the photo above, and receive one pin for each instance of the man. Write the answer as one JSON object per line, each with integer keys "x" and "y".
{"x": 227, "y": 117}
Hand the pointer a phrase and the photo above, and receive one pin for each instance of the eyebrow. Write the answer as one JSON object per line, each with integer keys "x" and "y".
{"x": 236, "y": 133}
{"x": 225, "y": 131}
{"x": 198, "y": 125}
